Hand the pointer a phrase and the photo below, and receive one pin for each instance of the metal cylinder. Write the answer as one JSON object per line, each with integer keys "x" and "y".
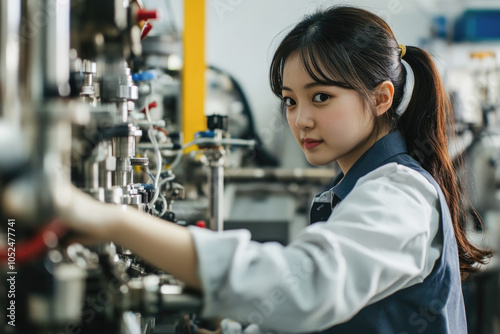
{"x": 117, "y": 85}
{"x": 63, "y": 304}
{"x": 123, "y": 174}
{"x": 216, "y": 186}
{"x": 91, "y": 172}
{"x": 51, "y": 136}
{"x": 124, "y": 147}
{"x": 122, "y": 114}
{"x": 10, "y": 18}
{"x": 89, "y": 69}
{"x": 44, "y": 39}
{"x": 44, "y": 53}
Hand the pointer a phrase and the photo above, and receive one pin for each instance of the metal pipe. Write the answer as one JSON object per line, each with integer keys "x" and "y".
{"x": 10, "y": 19}
{"x": 306, "y": 175}
{"x": 91, "y": 170}
{"x": 44, "y": 77}
{"x": 44, "y": 39}
{"x": 216, "y": 188}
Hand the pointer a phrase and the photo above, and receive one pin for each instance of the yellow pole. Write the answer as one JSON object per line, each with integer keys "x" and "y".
{"x": 193, "y": 77}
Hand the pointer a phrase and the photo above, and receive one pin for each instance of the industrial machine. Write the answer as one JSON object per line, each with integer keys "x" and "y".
{"x": 80, "y": 113}
{"x": 86, "y": 98}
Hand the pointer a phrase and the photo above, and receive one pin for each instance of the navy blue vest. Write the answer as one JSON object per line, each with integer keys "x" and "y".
{"x": 433, "y": 306}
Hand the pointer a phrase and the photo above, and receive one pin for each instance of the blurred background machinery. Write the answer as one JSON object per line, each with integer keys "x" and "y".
{"x": 470, "y": 43}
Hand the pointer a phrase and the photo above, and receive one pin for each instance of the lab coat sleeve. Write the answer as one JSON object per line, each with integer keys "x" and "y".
{"x": 376, "y": 242}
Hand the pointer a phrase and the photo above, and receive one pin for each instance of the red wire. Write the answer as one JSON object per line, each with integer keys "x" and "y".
{"x": 161, "y": 129}
{"x": 27, "y": 251}
{"x": 150, "y": 106}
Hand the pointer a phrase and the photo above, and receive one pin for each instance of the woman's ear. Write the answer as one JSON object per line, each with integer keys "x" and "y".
{"x": 383, "y": 97}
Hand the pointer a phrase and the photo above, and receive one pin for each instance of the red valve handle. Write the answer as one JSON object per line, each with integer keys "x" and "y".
{"x": 144, "y": 15}
{"x": 146, "y": 29}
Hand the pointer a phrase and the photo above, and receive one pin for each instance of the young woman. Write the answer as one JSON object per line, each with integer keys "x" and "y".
{"x": 387, "y": 246}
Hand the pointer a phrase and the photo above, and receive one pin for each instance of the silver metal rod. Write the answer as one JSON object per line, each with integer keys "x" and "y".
{"x": 91, "y": 170}
{"x": 216, "y": 182}
{"x": 10, "y": 19}
{"x": 304, "y": 175}
{"x": 147, "y": 146}
{"x": 45, "y": 47}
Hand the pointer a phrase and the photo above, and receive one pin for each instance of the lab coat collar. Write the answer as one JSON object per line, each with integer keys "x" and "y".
{"x": 386, "y": 147}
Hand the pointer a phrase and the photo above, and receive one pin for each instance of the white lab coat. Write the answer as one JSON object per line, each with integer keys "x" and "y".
{"x": 383, "y": 237}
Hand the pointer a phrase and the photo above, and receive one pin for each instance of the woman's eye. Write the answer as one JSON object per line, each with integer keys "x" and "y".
{"x": 321, "y": 97}
{"x": 289, "y": 102}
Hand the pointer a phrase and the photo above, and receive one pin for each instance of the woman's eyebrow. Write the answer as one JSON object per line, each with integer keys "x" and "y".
{"x": 313, "y": 84}
{"x": 306, "y": 86}
{"x": 316, "y": 84}
{"x": 330, "y": 83}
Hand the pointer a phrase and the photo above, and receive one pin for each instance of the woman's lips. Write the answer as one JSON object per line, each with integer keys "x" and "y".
{"x": 309, "y": 144}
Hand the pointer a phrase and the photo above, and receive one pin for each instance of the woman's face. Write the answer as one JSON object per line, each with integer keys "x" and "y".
{"x": 329, "y": 122}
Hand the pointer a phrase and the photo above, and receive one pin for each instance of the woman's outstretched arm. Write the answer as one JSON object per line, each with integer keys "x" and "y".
{"x": 165, "y": 245}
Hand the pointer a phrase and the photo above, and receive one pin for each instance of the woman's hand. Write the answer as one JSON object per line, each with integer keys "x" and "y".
{"x": 72, "y": 207}
{"x": 85, "y": 214}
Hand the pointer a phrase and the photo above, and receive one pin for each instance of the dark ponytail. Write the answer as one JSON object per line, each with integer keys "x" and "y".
{"x": 425, "y": 125}
{"x": 357, "y": 49}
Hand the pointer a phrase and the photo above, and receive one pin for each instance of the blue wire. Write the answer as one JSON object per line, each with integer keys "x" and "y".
{"x": 151, "y": 176}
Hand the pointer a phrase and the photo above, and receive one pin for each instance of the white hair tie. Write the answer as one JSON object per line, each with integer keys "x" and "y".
{"x": 408, "y": 89}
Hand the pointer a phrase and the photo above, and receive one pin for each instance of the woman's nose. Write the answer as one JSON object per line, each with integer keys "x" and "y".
{"x": 304, "y": 119}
